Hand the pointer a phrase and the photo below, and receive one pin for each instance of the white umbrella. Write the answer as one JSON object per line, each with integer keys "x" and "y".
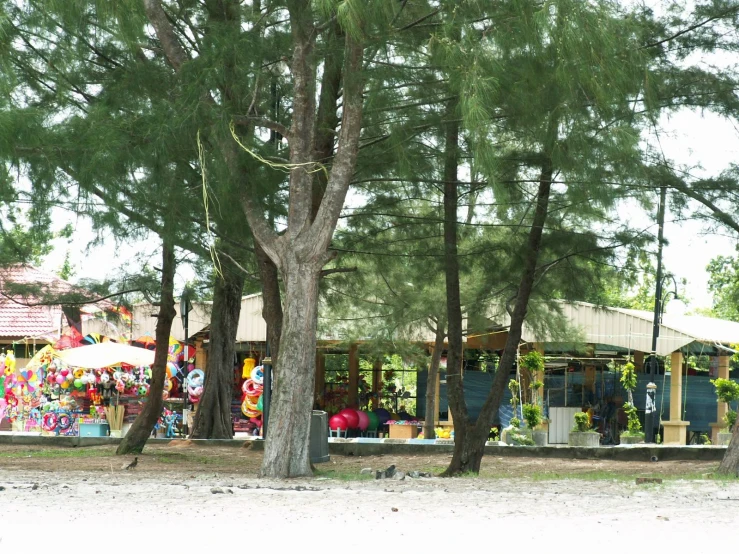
{"x": 106, "y": 354}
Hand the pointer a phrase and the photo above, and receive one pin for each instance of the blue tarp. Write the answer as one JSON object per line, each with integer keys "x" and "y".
{"x": 699, "y": 397}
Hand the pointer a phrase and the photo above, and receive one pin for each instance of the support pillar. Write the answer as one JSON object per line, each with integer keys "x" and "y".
{"x": 723, "y": 373}
{"x": 676, "y": 430}
{"x": 320, "y": 377}
{"x": 539, "y": 375}
{"x": 438, "y": 398}
{"x": 353, "y": 401}
{"x": 201, "y": 355}
{"x": 639, "y": 361}
{"x": 376, "y": 383}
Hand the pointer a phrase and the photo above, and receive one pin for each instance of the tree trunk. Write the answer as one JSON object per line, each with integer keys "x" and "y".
{"x": 433, "y": 376}
{"x": 302, "y": 250}
{"x": 140, "y": 431}
{"x": 213, "y": 418}
{"x": 455, "y": 386}
{"x": 469, "y": 440}
{"x": 286, "y": 452}
{"x": 730, "y": 462}
{"x": 271, "y": 300}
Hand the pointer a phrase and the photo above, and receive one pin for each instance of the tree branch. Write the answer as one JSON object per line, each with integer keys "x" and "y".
{"x": 262, "y": 122}
{"x": 60, "y": 300}
{"x": 331, "y": 271}
{"x": 165, "y": 32}
{"x": 348, "y": 148}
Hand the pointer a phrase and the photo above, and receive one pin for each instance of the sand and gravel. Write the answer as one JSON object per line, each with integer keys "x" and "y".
{"x": 202, "y": 499}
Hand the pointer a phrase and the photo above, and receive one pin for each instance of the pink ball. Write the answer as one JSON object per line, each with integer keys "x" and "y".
{"x": 338, "y": 421}
{"x": 352, "y": 419}
{"x": 59, "y": 379}
{"x": 363, "y": 420}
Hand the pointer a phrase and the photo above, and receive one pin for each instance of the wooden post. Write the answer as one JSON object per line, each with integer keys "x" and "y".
{"x": 376, "y": 383}
{"x": 353, "y": 376}
{"x": 639, "y": 361}
{"x": 320, "y": 376}
{"x": 201, "y": 355}
{"x": 438, "y": 398}
{"x": 539, "y": 375}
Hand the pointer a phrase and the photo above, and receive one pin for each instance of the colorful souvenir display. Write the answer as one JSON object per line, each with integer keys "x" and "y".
{"x": 252, "y": 389}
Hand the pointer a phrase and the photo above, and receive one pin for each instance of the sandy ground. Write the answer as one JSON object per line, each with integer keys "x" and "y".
{"x": 81, "y": 498}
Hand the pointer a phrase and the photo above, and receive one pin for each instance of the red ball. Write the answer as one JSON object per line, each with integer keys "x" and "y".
{"x": 338, "y": 421}
{"x": 352, "y": 419}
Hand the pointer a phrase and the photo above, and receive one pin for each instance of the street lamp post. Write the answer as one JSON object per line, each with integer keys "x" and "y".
{"x": 649, "y": 422}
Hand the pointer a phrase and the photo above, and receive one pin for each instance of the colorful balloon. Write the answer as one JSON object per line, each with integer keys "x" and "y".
{"x": 363, "y": 420}
{"x": 352, "y": 419}
{"x": 383, "y": 415}
{"x": 374, "y": 421}
{"x": 338, "y": 421}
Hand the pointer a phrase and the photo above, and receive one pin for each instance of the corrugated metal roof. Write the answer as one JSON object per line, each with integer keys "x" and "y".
{"x": 632, "y": 329}
{"x": 252, "y": 328}
{"x": 627, "y": 329}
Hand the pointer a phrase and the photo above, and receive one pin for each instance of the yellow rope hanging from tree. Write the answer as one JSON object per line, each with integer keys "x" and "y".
{"x": 286, "y": 167}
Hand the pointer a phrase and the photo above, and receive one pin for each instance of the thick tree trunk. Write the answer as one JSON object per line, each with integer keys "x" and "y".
{"x": 271, "y": 300}
{"x": 286, "y": 452}
{"x": 213, "y": 418}
{"x": 469, "y": 444}
{"x": 302, "y": 250}
{"x": 730, "y": 462}
{"x": 433, "y": 376}
{"x": 140, "y": 431}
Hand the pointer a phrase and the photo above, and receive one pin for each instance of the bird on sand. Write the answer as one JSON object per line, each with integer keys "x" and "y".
{"x": 132, "y": 464}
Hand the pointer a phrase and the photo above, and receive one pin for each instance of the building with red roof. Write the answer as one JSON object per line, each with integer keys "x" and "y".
{"x": 37, "y": 307}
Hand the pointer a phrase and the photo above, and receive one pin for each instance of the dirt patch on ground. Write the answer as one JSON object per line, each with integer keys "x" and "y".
{"x": 238, "y": 461}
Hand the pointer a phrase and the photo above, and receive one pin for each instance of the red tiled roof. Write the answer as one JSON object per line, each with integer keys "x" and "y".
{"x": 19, "y": 317}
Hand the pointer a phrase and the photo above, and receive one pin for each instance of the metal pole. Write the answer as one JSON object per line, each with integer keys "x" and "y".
{"x": 267, "y": 394}
{"x": 184, "y": 380}
{"x": 653, "y": 364}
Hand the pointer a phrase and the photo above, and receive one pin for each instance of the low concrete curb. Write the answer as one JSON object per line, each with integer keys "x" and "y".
{"x": 635, "y": 453}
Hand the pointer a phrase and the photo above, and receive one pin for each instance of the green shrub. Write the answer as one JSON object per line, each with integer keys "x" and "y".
{"x": 730, "y": 419}
{"x": 633, "y": 423}
{"x": 582, "y": 423}
{"x": 726, "y": 390}
{"x": 521, "y": 439}
{"x": 628, "y": 377}
{"x": 533, "y": 361}
{"x": 532, "y": 415}
{"x": 515, "y": 422}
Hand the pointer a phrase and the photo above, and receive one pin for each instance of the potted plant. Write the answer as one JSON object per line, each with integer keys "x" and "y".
{"x": 513, "y": 433}
{"x": 518, "y": 436}
{"x": 727, "y": 392}
{"x": 633, "y": 433}
{"x": 532, "y": 415}
{"x": 581, "y": 434}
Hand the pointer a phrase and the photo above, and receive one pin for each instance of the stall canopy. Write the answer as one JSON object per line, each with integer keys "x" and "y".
{"x": 106, "y": 354}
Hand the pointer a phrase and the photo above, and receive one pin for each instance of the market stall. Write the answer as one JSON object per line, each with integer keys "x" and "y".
{"x": 91, "y": 390}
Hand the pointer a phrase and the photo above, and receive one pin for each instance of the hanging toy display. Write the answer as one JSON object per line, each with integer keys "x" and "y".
{"x": 247, "y": 368}
{"x": 195, "y": 382}
{"x": 251, "y": 402}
